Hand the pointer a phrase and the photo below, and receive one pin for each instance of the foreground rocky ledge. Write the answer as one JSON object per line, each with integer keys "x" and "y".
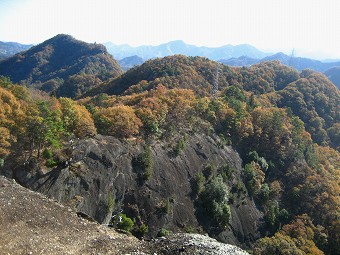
{"x": 31, "y": 223}
{"x": 194, "y": 244}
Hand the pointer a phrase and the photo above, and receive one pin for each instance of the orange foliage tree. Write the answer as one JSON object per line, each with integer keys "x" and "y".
{"x": 119, "y": 121}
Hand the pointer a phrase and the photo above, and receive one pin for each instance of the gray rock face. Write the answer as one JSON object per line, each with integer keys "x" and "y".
{"x": 195, "y": 244}
{"x": 100, "y": 179}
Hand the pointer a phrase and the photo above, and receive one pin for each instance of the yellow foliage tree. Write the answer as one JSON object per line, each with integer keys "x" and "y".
{"x": 76, "y": 118}
{"x": 84, "y": 124}
{"x": 119, "y": 121}
{"x": 5, "y": 138}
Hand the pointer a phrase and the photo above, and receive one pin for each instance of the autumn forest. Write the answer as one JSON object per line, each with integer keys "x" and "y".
{"x": 284, "y": 124}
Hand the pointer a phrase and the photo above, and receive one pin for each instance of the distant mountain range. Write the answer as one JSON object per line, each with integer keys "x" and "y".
{"x": 331, "y": 69}
{"x": 296, "y": 62}
{"x": 239, "y": 55}
{"x": 8, "y": 49}
{"x": 180, "y": 47}
{"x": 61, "y": 65}
{"x": 128, "y": 57}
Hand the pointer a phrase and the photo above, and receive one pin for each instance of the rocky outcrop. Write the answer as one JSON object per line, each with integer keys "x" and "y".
{"x": 194, "y": 244}
{"x": 100, "y": 177}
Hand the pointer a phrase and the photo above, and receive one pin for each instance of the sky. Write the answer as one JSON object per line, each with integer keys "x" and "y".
{"x": 311, "y": 27}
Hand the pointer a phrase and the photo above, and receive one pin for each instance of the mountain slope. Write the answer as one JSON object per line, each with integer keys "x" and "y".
{"x": 8, "y": 49}
{"x": 316, "y": 101}
{"x": 272, "y": 80}
{"x": 173, "y": 71}
{"x": 198, "y": 74}
{"x": 50, "y": 64}
{"x": 334, "y": 75}
{"x": 180, "y": 47}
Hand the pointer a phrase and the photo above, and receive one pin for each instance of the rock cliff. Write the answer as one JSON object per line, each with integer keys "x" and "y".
{"x": 99, "y": 178}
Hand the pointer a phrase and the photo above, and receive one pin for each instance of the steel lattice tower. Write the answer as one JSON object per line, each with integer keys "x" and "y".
{"x": 216, "y": 79}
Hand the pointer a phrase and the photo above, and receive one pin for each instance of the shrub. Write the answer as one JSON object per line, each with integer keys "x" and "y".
{"x": 47, "y": 154}
{"x": 167, "y": 206}
{"x": 209, "y": 171}
{"x": 214, "y": 200}
{"x": 226, "y": 171}
{"x": 189, "y": 229}
{"x": 179, "y": 146}
{"x": 221, "y": 213}
{"x": 144, "y": 163}
{"x": 51, "y": 163}
{"x": 126, "y": 223}
{"x": 164, "y": 232}
{"x": 110, "y": 203}
{"x": 141, "y": 231}
{"x": 254, "y": 177}
{"x": 264, "y": 193}
{"x": 199, "y": 183}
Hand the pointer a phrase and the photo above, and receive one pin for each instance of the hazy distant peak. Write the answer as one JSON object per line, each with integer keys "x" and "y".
{"x": 244, "y": 45}
{"x": 280, "y": 55}
{"x": 180, "y": 47}
{"x": 177, "y": 42}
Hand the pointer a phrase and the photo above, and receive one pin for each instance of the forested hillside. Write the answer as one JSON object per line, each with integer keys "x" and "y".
{"x": 61, "y": 65}
{"x": 284, "y": 124}
{"x": 309, "y": 95}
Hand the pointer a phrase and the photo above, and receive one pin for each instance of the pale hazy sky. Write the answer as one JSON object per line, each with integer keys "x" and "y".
{"x": 310, "y": 26}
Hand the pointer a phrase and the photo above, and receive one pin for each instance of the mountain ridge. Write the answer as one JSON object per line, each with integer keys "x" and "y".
{"x": 49, "y": 65}
{"x": 180, "y": 47}
{"x": 330, "y": 69}
{"x": 238, "y": 55}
